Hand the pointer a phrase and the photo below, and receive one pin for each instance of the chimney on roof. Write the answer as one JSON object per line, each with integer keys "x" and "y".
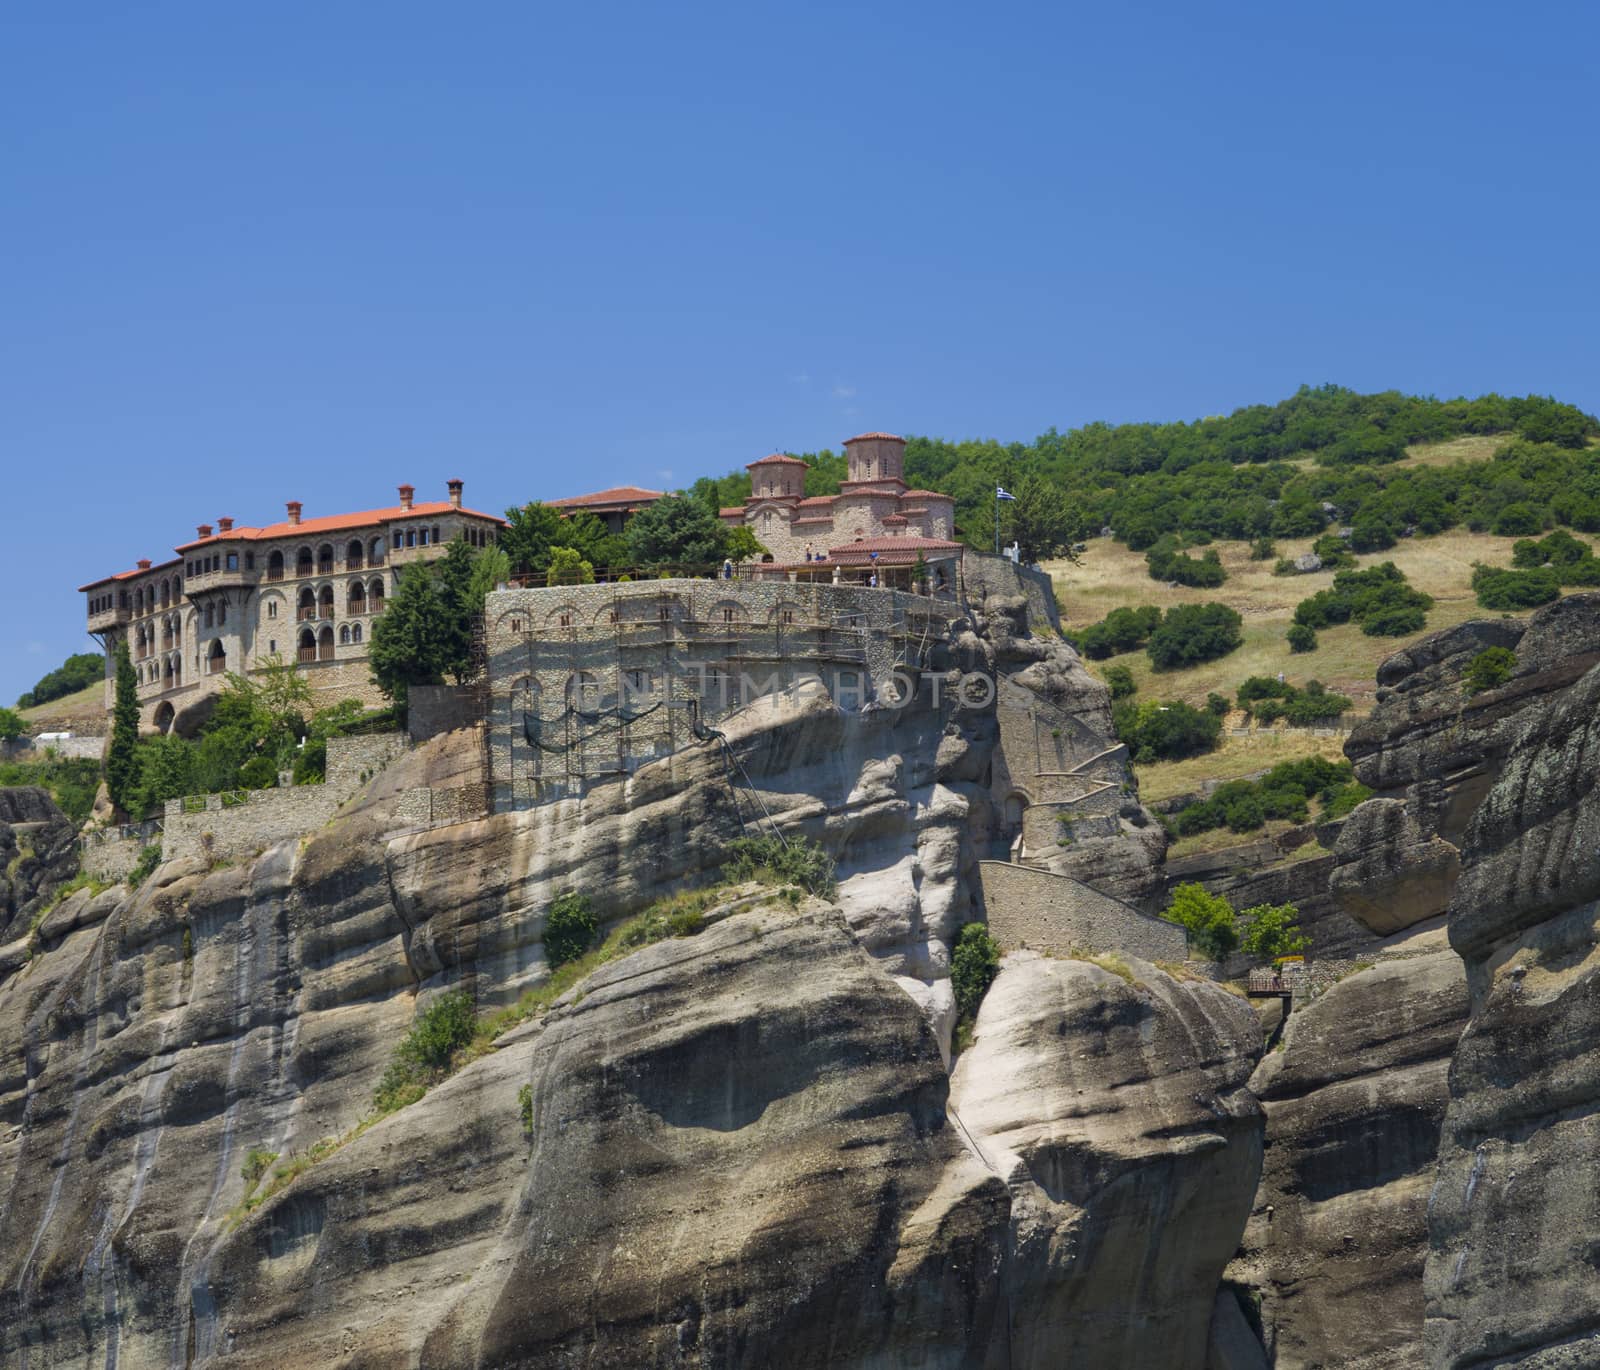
{"x": 293, "y": 506}
{"x": 204, "y": 529}
{"x": 224, "y": 525}
{"x": 144, "y": 563}
{"x": 406, "y": 492}
{"x": 455, "y": 493}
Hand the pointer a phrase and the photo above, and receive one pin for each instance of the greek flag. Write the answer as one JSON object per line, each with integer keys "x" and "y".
{"x": 1000, "y": 492}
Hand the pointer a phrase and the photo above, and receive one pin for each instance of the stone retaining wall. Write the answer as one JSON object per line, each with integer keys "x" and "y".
{"x": 220, "y": 830}
{"x": 1027, "y": 907}
{"x": 435, "y": 709}
{"x": 75, "y": 748}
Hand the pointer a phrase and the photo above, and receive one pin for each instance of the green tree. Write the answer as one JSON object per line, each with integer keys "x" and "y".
{"x": 570, "y": 928}
{"x": 1192, "y": 633}
{"x": 122, "y": 757}
{"x": 1302, "y": 638}
{"x": 743, "y": 545}
{"x": 1208, "y": 918}
{"x": 409, "y": 639}
{"x": 166, "y": 771}
{"x": 973, "y": 966}
{"x": 567, "y": 567}
{"x": 528, "y": 536}
{"x": 491, "y": 567}
{"x": 1121, "y": 682}
{"x": 676, "y": 531}
{"x": 1043, "y": 520}
{"x": 77, "y": 672}
{"x": 11, "y": 725}
{"x": 1490, "y": 669}
{"x": 1272, "y": 930}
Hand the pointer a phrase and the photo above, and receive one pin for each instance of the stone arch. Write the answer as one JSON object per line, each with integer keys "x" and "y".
{"x": 216, "y": 657}
{"x": 375, "y": 596}
{"x": 1016, "y": 804}
{"x": 563, "y": 617}
{"x": 165, "y": 713}
{"x": 325, "y": 559}
{"x": 307, "y": 645}
{"x": 344, "y": 635}
{"x": 356, "y": 598}
{"x": 275, "y": 564}
{"x": 325, "y": 643}
{"x": 355, "y": 634}
{"x": 304, "y": 562}
{"x": 375, "y": 552}
{"x": 785, "y": 611}
{"x": 355, "y": 554}
{"x": 325, "y": 602}
{"x": 728, "y": 611}
{"x": 306, "y": 606}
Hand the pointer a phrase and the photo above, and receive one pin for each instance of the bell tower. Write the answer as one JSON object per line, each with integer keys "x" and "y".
{"x": 876, "y": 457}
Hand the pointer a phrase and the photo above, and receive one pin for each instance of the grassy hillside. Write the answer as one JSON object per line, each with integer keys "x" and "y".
{"x": 1345, "y": 660}
{"x": 83, "y": 711}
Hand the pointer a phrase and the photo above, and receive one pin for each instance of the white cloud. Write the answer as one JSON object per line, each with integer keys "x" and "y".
{"x": 844, "y": 392}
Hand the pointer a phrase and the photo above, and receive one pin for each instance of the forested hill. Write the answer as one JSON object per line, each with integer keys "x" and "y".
{"x": 1272, "y": 469}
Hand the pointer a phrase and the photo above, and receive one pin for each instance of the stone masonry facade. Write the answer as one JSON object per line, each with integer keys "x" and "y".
{"x": 1031, "y": 908}
{"x": 305, "y": 591}
{"x": 591, "y": 682}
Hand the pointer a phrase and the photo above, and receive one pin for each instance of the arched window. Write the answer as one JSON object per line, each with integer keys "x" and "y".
{"x": 344, "y": 635}
{"x": 376, "y": 551}
{"x": 308, "y": 645}
{"x": 216, "y": 658}
{"x": 325, "y": 602}
{"x": 308, "y": 604}
{"x": 436, "y": 537}
{"x": 356, "y": 598}
{"x": 325, "y": 643}
{"x": 275, "y": 566}
{"x": 375, "y": 597}
{"x": 304, "y": 562}
{"x": 355, "y": 633}
{"x": 354, "y": 555}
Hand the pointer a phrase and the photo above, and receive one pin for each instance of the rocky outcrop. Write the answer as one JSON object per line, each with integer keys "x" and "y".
{"x": 1112, "y": 1104}
{"x": 38, "y": 853}
{"x": 1387, "y": 873}
{"x": 1355, "y": 1097}
{"x": 738, "y": 1150}
{"x": 1514, "y": 1274}
{"x": 1505, "y": 779}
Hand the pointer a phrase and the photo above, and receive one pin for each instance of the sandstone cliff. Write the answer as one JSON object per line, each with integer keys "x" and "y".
{"x": 739, "y": 1149}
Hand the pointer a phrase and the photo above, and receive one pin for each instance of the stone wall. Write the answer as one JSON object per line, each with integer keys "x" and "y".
{"x": 111, "y": 853}
{"x": 211, "y": 827}
{"x": 593, "y": 681}
{"x": 984, "y": 575}
{"x": 435, "y": 709}
{"x": 31, "y": 749}
{"x": 1054, "y": 913}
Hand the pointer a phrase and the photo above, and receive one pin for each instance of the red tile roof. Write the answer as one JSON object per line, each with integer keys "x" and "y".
{"x": 776, "y": 459}
{"x": 816, "y": 501}
{"x": 338, "y": 523}
{"x": 618, "y": 494}
{"x": 130, "y": 575}
{"x": 891, "y": 544}
{"x": 866, "y": 437}
{"x": 925, "y": 494}
{"x": 735, "y": 511}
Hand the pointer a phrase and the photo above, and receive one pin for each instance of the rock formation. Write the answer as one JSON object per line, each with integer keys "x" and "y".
{"x": 1355, "y": 1098}
{"x": 737, "y": 1149}
{"x": 38, "y": 853}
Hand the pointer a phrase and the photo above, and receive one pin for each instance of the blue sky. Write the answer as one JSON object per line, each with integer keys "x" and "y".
{"x": 252, "y": 253}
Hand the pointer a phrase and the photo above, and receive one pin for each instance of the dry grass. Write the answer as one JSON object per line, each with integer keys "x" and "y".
{"x": 1220, "y": 839}
{"x": 1345, "y": 660}
{"x": 1471, "y": 447}
{"x": 88, "y": 704}
{"x": 1235, "y": 759}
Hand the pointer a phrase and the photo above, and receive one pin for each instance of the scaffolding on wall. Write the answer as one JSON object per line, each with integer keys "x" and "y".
{"x": 634, "y": 690}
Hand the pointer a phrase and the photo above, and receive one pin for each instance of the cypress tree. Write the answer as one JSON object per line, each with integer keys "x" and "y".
{"x": 122, "y": 760}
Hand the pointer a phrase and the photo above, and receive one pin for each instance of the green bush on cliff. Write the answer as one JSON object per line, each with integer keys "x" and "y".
{"x": 1207, "y": 918}
{"x": 1491, "y": 668}
{"x": 798, "y": 861}
{"x": 570, "y": 929}
{"x": 425, "y": 1054}
{"x": 973, "y": 966}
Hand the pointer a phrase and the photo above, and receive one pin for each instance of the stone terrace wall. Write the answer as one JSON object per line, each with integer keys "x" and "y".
{"x": 1032, "y": 908}
{"x": 435, "y": 709}
{"x": 75, "y": 747}
{"x": 110, "y": 853}
{"x": 267, "y": 816}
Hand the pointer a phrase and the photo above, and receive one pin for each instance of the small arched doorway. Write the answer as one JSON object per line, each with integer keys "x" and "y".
{"x": 325, "y": 643}
{"x": 165, "y": 713}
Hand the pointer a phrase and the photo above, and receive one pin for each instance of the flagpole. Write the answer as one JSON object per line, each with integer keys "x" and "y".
{"x": 997, "y": 520}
